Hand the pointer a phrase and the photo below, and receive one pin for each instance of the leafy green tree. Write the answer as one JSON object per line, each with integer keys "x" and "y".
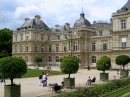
{"x": 69, "y": 65}
{"x": 5, "y": 42}
{"x": 104, "y": 63}
{"x": 122, "y": 60}
{"x": 12, "y": 67}
{"x": 38, "y": 60}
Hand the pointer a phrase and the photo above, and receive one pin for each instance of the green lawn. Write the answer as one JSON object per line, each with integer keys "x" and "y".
{"x": 119, "y": 93}
{"x": 36, "y": 73}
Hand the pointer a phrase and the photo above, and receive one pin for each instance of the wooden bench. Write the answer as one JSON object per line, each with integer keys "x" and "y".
{"x": 90, "y": 82}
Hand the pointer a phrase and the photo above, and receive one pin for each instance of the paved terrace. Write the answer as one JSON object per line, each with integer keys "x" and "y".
{"x": 30, "y": 86}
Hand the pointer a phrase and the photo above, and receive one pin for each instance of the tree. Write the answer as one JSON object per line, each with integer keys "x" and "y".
{"x": 37, "y": 60}
{"x": 5, "y": 42}
{"x": 69, "y": 65}
{"x": 104, "y": 63}
{"x": 122, "y": 60}
{"x": 12, "y": 67}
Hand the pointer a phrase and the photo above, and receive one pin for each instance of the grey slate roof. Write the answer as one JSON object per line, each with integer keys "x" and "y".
{"x": 30, "y": 23}
{"x": 100, "y": 23}
{"x": 82, "y": 21}
{"x": 125, "y": 8}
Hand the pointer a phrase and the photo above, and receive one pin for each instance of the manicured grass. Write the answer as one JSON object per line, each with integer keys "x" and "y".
{"x": 119, "y": 93}
{"x": 36, "y": 73}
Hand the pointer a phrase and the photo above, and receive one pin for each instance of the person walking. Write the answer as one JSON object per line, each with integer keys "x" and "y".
{"x": 44, "y": 80}
{"x": 40, "y": 79}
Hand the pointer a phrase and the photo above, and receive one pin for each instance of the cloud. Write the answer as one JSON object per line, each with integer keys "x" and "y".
{"x": 54, "y": 12}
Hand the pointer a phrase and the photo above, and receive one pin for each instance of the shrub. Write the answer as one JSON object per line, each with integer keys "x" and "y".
{"x": 104, "y": 63}
{"x": 122, "y": 60}
{"x": 69, "y": 65}
{"x": 12, "y": 67}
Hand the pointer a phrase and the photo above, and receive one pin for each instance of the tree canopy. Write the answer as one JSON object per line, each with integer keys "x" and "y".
{"x": 37, "y": 60}
{"x": 122, "y": 60}
{"x": 5, "y": 42}
{"x": 12, "y": 67}
{"x": 69, "y": 65}
{"x": 104, "y": 63}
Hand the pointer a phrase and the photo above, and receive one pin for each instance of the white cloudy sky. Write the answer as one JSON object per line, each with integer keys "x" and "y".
{"x": 52, "y": 12}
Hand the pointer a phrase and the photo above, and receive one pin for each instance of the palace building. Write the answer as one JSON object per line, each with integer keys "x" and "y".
{"x": 84, "y": 40}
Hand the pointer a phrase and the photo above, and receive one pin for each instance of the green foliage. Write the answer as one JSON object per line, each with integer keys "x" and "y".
{"x": 12, "y": 67}
{"x": 5, "y": 42}
{"x": 104, "y": 63}
{"x": 69, "y": 65}
{"x": 122, "y": 60}
{"x": 101, "y": 90}
{"x": 37, "y": 60}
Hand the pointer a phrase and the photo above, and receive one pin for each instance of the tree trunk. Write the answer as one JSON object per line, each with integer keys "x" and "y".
{"x": 123, "y": 66}
{"x": 11, "y": 81}
{"x": 69, "y": 75}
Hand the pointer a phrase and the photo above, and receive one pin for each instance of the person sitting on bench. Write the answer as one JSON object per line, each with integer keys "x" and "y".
{"x": 57, "y": 87}
{"x": 94, "y": 79}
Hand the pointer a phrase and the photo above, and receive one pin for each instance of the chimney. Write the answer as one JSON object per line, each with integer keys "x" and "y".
{"x": 111, "y": 21}
{"x": 67, "y": 26}
{"x": 37, "y": 19}
{"x": 26, "y": 19}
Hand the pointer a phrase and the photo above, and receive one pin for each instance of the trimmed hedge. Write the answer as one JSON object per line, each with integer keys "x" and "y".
{"x": 100, "y": 90}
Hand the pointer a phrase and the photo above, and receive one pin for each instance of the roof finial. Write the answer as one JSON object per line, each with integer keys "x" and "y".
{"x": 82, "y": 9}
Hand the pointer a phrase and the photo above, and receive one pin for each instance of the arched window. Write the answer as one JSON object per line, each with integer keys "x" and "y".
{"x": 93, "y": 59}
{"x": 50, "y": 59}
{"x": 57, "y": 59}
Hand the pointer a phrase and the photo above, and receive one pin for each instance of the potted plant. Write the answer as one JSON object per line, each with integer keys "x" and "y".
{"x": 38, "y": 60}
{"x": 12, "y": 67}
{"x": 123, "y": 60}
{"x": 69, "y": 65}
{"x": 104, "y": 63}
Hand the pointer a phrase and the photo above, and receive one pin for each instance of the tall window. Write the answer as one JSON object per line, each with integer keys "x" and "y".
{"x": 100, "y": 33}
{"x": 57, "y": 59}
{"x": 65, "y": 47}
{"x": 93, "y": 59}
{"x": 21, "y": 47}
{"x": 36, "y": 36}
{"x": 42, "y": 37}
{"x": 26, "y": 59}
{"x": 50, "y": 59}
{"x": 93, "y": 46}
{"x": 58, "y": 37}
{"x": 49, "y": 48}
{"x": 36, "y": 48}
{"x": 75, "y": 47}
{"x": 123, "y": 24}
{"x": 16, "y": 37}
{"x": 42, "y": 59}
{"x": 123, "y": 43}
{"x": 42, "y": 48}
{"x": 57, "y": 48}
{"x": 15, "y": 48}
{"x": 104, "y": 46}
{"x": 65, "y": 36}
{"x": 26, "y": 36}
{"x": 48, "y": 38}
{"x": 21, "y": 36}
{"x": 26, "y": 47}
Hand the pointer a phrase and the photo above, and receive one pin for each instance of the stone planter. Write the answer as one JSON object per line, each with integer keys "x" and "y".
{"x": 69, "y": 82}
{"x": 104, "y": 76}
{"x": 124, "y": 73}
{"x": 12, "y": 91}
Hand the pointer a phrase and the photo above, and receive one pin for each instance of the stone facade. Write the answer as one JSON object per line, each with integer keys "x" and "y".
{"x": 86, "y": 41}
